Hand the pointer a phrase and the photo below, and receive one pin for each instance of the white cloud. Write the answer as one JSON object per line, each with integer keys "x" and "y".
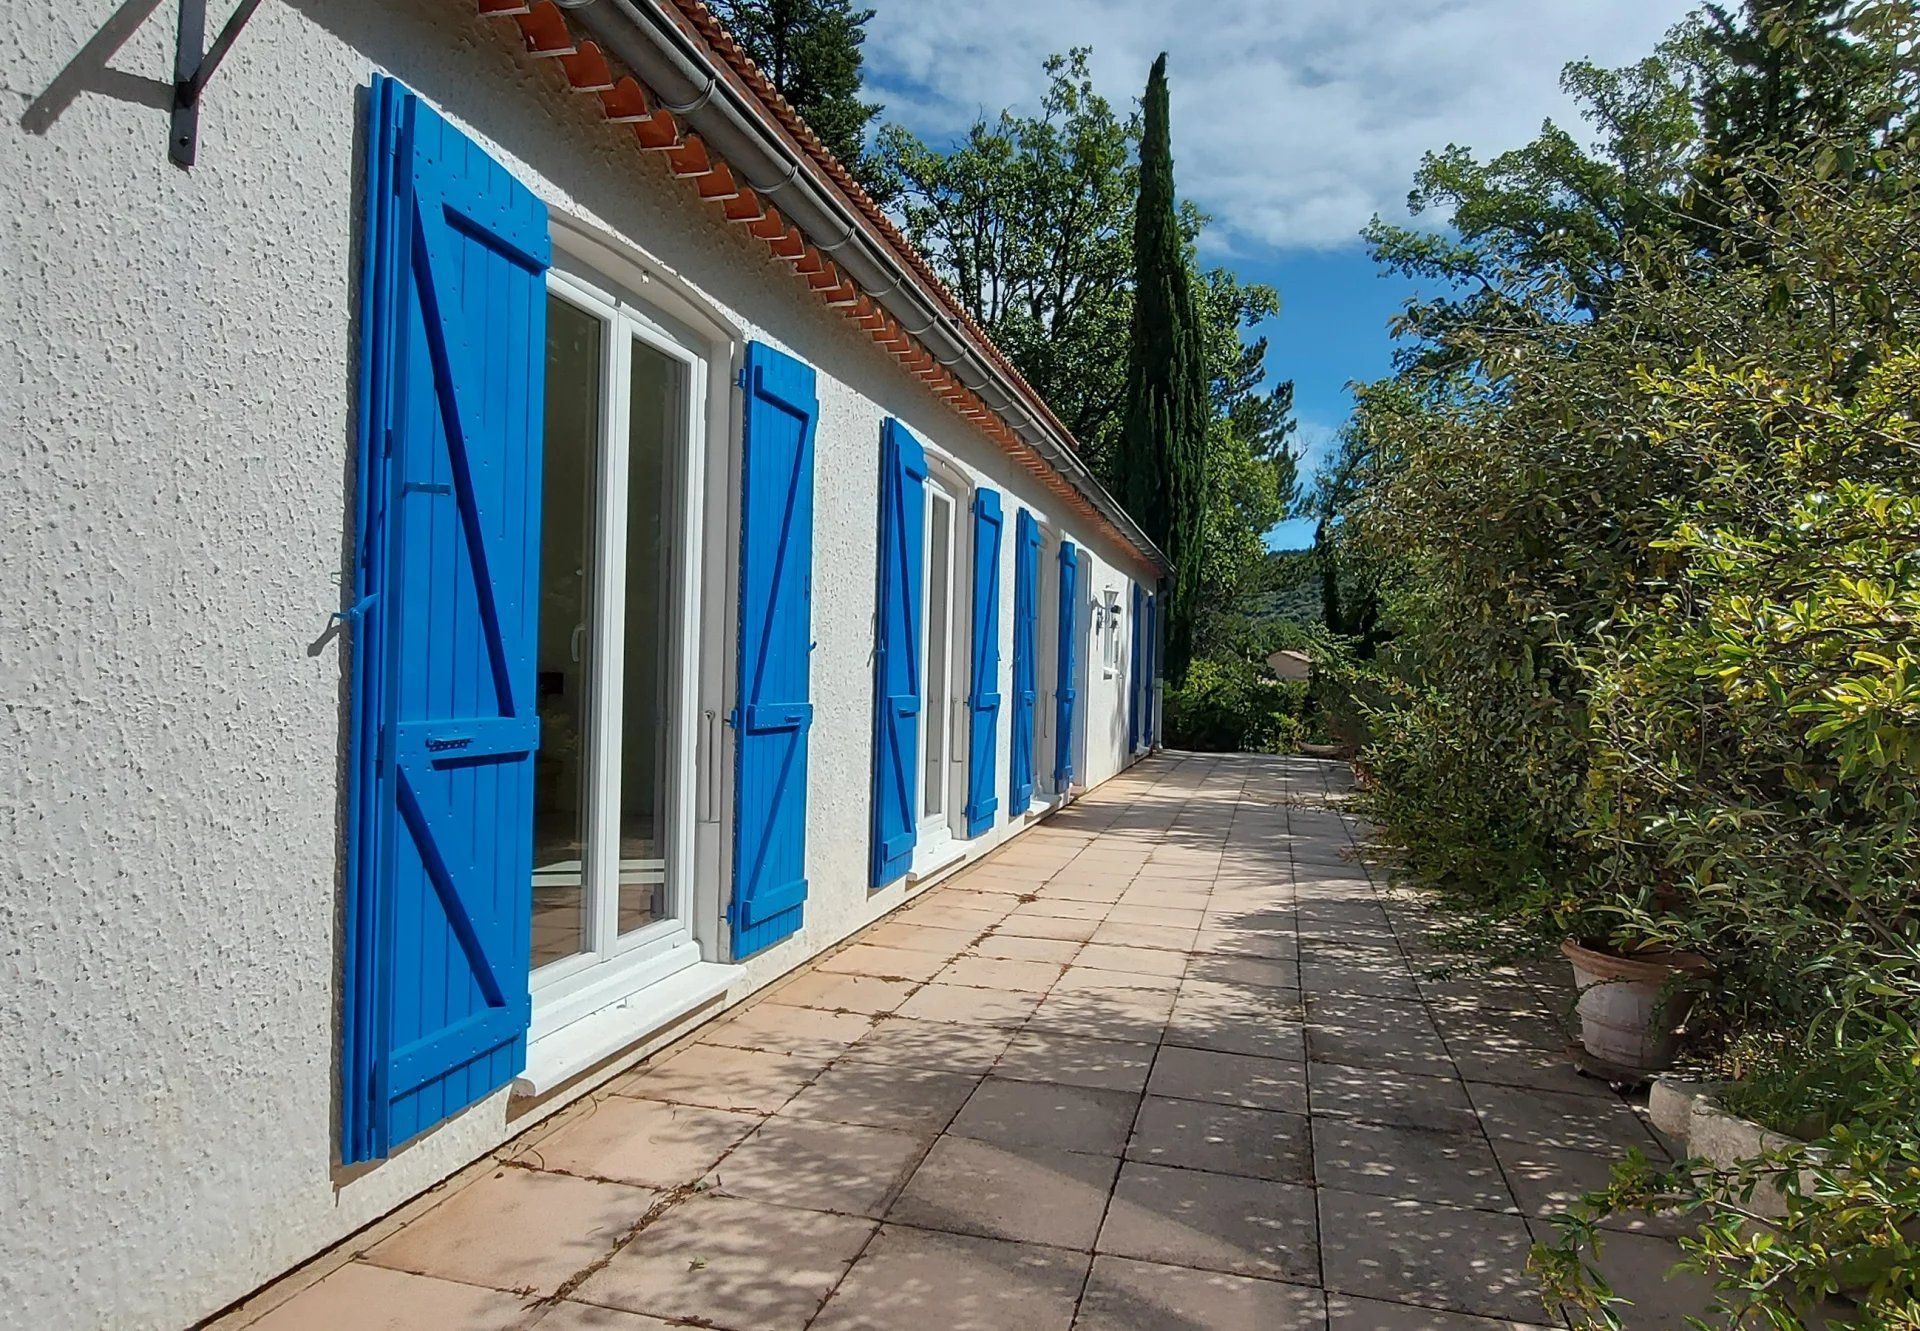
{"x": 1315, "y": 442}
{"x": 1292, "y": 124}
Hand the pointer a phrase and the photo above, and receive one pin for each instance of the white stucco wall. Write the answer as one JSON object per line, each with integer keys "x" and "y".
{"x": 175, "y": 354}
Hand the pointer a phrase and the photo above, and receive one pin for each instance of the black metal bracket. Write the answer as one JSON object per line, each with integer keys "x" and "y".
{"x": 193, "y": 65}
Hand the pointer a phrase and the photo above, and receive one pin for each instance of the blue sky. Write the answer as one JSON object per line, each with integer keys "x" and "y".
{"x": 1335, "y": 304}
{"x": 1292, "y": 124}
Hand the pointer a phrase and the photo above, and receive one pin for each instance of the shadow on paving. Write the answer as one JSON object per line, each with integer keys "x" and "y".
{"x": 1170, "y": 1060}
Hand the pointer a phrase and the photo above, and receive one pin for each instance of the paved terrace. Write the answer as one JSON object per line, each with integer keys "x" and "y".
{"x": 1171, "y": 1060}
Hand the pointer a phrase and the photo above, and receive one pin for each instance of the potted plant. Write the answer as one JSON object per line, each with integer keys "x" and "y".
{"x": 1633, "y": 999}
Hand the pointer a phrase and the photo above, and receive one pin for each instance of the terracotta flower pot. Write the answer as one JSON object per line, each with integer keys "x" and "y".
{"x": 1631, "y": 1006}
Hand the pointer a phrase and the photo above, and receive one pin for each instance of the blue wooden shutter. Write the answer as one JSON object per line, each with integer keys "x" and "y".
{"x": 983, "y": 703}
{"x": 773, "y": 710}
{"x": 1150, "y": 675}
{"x": 1026, "y": 607}
{"x": 1066, "y": 689}
{"x": 896, "y": 669}
{"x": 1134, "y": 675}
{"x": 440, "y": 822}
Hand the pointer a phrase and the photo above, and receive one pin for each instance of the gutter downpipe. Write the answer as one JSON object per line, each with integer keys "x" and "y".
{"x": 646, "y": 37}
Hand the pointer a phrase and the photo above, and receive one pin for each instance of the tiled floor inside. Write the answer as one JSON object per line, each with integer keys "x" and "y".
{"x": 1170, "y": 1061}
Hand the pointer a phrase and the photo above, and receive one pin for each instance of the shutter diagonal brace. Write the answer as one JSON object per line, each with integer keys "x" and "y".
{"x": 193, "y": 65}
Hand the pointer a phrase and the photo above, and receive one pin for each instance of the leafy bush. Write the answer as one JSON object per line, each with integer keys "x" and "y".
{"x": 1756, "y": 748}
{"x": 1228, "y": 705}
{"x": 1848, "y": 1230}
{"x": 1757, "y": 713}
{"x": 1647, "y": 494}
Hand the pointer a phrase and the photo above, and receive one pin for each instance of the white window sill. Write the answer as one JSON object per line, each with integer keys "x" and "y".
{"x": 586, "y": 984}
{"x": 937, "y": 862}
{"x": 561, "y": 1055}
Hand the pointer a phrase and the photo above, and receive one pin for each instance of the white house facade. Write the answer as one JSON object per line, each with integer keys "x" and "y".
{"x": 508, "y": 553}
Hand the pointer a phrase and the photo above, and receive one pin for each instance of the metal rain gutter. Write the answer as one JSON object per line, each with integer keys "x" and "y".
{"x": 646, "y": 36}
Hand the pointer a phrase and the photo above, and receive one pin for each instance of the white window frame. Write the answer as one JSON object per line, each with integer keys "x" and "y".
{"x": 1107, "y": 615}
{"x": 933, "y": 832}
{"x": 612, "y": 967}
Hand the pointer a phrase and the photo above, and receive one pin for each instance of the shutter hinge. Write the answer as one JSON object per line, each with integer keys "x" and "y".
{"x": 733, "y": 719}
{"x": 355, "y": 612}
{"x": 740, "y": 378}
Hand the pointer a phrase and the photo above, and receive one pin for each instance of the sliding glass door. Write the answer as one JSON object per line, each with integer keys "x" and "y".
{"x": 612, "y": 824}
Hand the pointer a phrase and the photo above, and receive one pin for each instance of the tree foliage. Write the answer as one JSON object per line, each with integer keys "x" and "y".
{"x": 1163, "y": 452}
{"x": 1542, "y": 233}
{"x": 1029, "y": 218}
{"x": 810, "y": 51}
{"x": 1638, "y": 512}
{"x": 1250, "y": 466}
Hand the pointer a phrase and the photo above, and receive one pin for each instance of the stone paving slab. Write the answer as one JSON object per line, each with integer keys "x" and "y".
{"x": 842, "y": 1167}
{"x": 1026, "y": 1193}
{"x": 646, "y": 1142}
{"x": 519, "y": 1230}
{"x": 1171, "y": 1061}
{"x": 375, "y": 1298}
{"x": 731, "y": 1262}
{"x": 914, "y": 1278}
{"x": 1126, "y": 1295}
{"x": 1213, "y": 1222}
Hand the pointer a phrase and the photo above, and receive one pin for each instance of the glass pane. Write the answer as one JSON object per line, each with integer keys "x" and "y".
{"x": 934, "y": 706}
{"x": 566, "y": 560}
{"x": 656, "y": 410}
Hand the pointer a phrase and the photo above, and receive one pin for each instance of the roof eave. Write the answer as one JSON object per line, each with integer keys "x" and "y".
{"x": 725, "y": 127}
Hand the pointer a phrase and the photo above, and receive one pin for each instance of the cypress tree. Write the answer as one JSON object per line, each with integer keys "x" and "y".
{"x": 1163, "y": 440}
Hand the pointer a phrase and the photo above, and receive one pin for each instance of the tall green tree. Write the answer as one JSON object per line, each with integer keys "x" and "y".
{"x": 1163, "y": 450}
{"x": 1251, "y": 470}
{"x": 1028, "y": 218}
{"x": 1784, "y": 76}
{"x": 810, "y": 51}
{"x": 1349, "y": 578}
{"x": 1539, "y": 235}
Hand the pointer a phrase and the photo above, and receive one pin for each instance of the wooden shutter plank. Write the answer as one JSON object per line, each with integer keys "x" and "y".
{"x": 1026, "y": 576}
{"x": 773, "y": 712}
{"x": 452, "y": 388}
{"x": 1149, "y": 707}
{"x": 1133, "y": 673}
{"x": 1066, "y": 688}
{"x": 984, "y": 702}
{"x": 897, "y": 688}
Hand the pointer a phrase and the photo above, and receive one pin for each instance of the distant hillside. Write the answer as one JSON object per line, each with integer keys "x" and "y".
{"x": 1278, "y": 606}
{"x": 1289, "y": 589}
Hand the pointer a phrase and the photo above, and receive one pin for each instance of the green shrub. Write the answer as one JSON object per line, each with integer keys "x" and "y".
{"x": 1653, "y": 664}
{"x": 1228, "y": 705}
{"x": 1756, "y": 751}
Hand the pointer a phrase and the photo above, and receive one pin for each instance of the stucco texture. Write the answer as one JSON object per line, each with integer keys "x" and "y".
{"x": 176, "y": 358}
